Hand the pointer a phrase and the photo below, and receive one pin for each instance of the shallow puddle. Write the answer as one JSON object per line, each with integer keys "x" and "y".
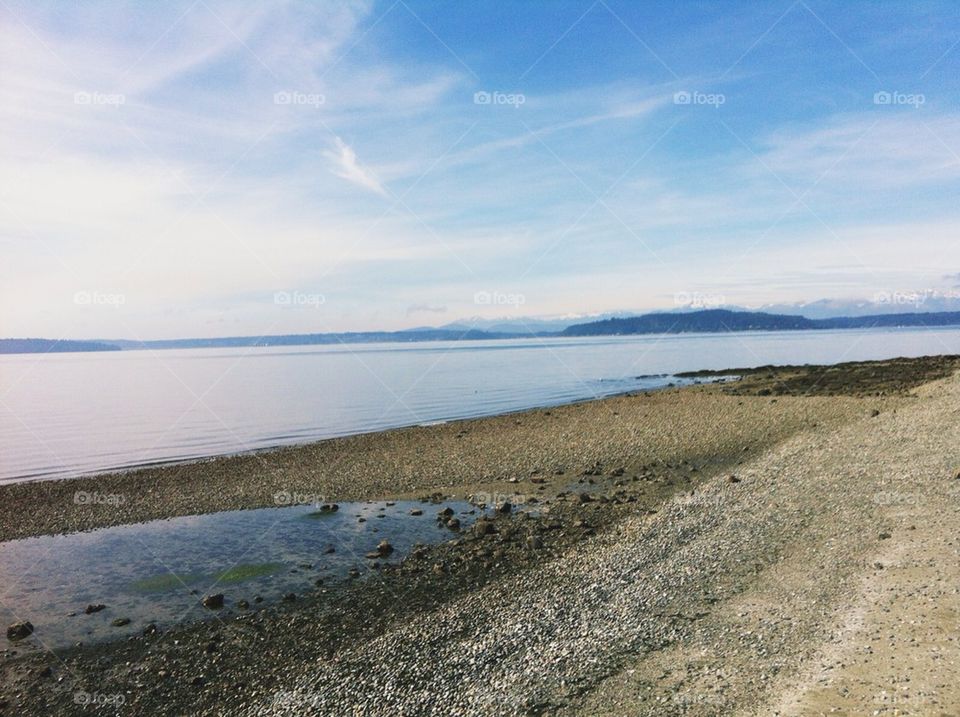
{"x": 158, "y": 572}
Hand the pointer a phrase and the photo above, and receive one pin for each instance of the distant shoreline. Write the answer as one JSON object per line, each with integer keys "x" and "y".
{"x": 710, "y": 321}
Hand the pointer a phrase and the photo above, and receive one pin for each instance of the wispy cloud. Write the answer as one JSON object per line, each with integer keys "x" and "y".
{"x": 347, "y": 166}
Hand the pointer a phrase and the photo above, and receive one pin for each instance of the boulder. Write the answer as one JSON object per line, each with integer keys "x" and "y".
{"x": 19, "y": 630}
{"x": 213, "y": 602}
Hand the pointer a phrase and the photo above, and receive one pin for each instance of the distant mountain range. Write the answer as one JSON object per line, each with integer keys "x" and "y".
{"x": 724, "y": 320}
{"x": 703, "y": 321}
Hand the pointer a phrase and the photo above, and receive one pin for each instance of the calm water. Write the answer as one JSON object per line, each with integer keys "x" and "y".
{"x": 157, "y": 572}
{"x": 68, "y": 414}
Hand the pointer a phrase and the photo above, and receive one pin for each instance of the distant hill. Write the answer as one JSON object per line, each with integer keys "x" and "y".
{"x": 723, "y": 320}
{"x": 706, "y": 321}
{"x": 43, "y": 346}
{"x": 351, "y": 337}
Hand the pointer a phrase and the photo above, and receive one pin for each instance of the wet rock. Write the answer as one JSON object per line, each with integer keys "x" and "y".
{"x": 19, "y": 630}
{"x": 416, "y": 511}
{"x": 290, "y": 597}
{"x": 150, "y": 629}
{"x": 445, "y": 513}
{"x": 330, "y": 550}
{"x": 213, "y": 602}
{"x": 505, "y": 508}
{"x": 243, "y": 604}
{"x": 453, "y": 524}
{"x": 329, "y": 508}
{"x": 383, "y": 550}
{"x": 92, "y": 608}
{"x": 120, "y": 621}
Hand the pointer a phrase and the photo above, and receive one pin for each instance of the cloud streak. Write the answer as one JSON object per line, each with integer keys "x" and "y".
{"x": 348, "y": 167}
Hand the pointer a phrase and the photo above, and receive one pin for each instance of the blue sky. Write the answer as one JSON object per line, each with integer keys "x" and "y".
{"x": 207, "y": 168}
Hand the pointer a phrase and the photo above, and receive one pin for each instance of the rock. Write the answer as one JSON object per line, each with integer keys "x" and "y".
{"x": 290, "y": 597}
{"x": 884, "y": 536}
{"x": 453, "y": 524}
{"x": 416, "y": 511}
{"x": 445, "y": 513}
{"x": 90, "y": 609}
{"x": 732, "y": 479}
{"x": 583, "y": 498}
{"x": 243, "y": 604}
{"x": 617, "y": 472}
{"x": 150, "y": 629}
{"x": 764, "y": 392}
{"x": 484, "y": 527}
{"x": 120, "y": 621}
{"x": 535, "y": 542}
{"x": 874, "y": 413}
{"x": 330, "y": 550}
{"x": 213, "y": 602}
{"x": 329, "y": 508}
{"x": 384, "y": 548}
{"x": 19, "y": 630}
{"x": 504, "y": 508}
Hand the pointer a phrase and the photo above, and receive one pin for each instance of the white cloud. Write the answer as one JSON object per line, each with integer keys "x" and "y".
{"x": 347, "y": 166}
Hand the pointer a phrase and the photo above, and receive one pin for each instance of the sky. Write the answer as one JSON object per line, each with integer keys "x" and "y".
{"x": 206, "y": 168}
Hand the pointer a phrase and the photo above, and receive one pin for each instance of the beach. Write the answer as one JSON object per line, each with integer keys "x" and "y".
{"x": 781, "y": 544}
